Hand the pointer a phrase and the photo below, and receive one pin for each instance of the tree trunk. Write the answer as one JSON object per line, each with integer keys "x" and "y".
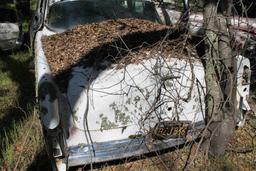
{"x": 219, "y": 77}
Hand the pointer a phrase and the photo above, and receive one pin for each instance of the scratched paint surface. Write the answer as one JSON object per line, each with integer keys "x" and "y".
{"x": 137, "y": 97}
{"x": 122, "y": 102}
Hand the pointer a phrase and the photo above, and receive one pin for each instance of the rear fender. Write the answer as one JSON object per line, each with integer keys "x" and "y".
{"x": 48, "y": 97}
{"x": 49, "y": 104}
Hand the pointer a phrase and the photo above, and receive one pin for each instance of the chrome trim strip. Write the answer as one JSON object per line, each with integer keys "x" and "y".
{"x": 112, "y": 150}
{"x": 117, "y": 150}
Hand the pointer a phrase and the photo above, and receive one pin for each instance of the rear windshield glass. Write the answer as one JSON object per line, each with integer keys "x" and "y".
{"x": 67, "y": 14}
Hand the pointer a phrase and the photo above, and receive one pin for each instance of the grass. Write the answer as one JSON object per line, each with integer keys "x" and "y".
{"x": 23, "y": 142}
{"x": 6, "y": 85}
{"x": 5, "y": 80}
{"x": 21, "y": 132}
{"x": 9, "y": 5}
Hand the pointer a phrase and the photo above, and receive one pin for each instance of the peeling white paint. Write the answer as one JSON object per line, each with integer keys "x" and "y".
{"x": 127, "y": 89}
{"x": 118, "y": 103}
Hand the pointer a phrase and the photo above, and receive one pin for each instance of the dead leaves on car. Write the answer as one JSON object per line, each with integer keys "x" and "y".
{"x": 120, "y": 42}
{"x": 66, "y": 49}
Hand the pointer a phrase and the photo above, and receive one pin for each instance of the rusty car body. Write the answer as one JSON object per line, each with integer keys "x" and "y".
{"x": 100, "y": 120}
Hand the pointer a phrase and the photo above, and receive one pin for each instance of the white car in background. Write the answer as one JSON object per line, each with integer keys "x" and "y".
{"x": 10, "y": 30}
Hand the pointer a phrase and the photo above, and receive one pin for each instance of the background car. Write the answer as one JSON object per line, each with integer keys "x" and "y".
{"x": 10, "y": 30}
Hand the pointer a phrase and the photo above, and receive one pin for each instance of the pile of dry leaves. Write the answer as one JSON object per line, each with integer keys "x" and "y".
{"x": 87, "y": 44}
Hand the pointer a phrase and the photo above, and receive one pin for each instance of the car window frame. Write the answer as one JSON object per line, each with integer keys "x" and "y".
{"x": 61, "y": 30}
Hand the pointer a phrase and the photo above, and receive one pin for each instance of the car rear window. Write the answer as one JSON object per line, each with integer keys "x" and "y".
{"x": 67, "y": 14}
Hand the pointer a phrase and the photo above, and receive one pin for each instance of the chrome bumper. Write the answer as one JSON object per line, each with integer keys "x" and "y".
{"x": 113, "y": 150}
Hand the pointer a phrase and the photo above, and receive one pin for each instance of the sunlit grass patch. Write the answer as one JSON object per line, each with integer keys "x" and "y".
{"x": 22, "y": 142}
{"x": 5, "y": 81}
{"x": 33, "y": 5}
{"x": 7, "y": 89}
{"x": 20, "y": 134}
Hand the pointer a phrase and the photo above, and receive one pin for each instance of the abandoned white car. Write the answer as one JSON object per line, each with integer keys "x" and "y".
{"x": 10, "y": 30}
{"x": 107, "y": 84}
